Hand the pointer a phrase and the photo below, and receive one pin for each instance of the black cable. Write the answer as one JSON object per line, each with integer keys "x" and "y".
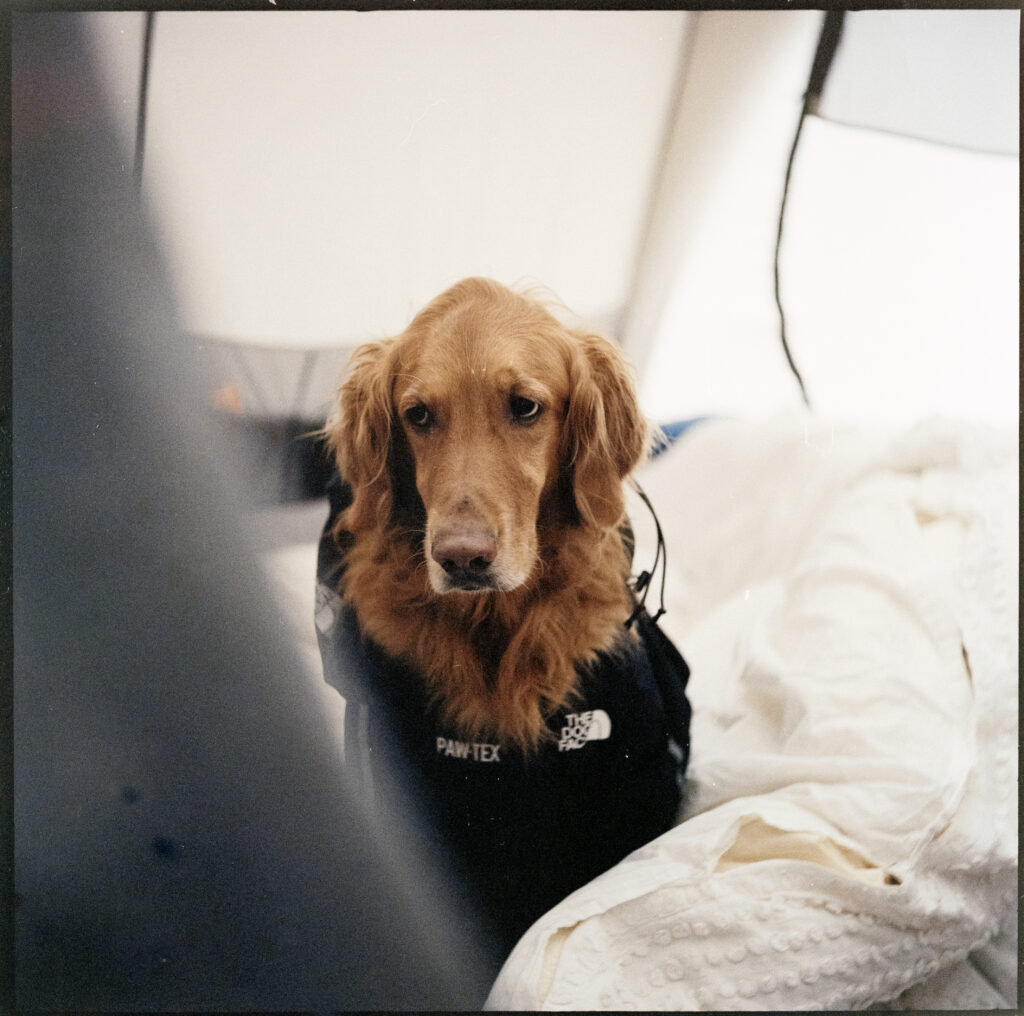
{"x": 140, "y": 118}
{"x": 778, "y": 247}
{"x": 828, "y": 42}
{"x": 642, "y": 584}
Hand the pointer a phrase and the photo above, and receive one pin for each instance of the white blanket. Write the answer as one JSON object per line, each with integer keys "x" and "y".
{"x": 847, "y": 602}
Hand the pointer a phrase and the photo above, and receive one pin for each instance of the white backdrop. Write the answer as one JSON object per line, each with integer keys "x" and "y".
{"x": 900, "y": 259}
{"x": 320, "y": 175}
{"x": 317, "y": 176}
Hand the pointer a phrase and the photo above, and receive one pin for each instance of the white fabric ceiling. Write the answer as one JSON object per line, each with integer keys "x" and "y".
{"x": 320, "y": 175}
{"x": 951, "y": 76}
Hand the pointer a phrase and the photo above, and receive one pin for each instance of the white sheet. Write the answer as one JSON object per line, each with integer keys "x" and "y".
{"x": 290, "y": 563}
{"x": 847, "y": 603}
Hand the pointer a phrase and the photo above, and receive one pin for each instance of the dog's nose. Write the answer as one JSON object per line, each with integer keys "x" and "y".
{"x": 464, "y": 550}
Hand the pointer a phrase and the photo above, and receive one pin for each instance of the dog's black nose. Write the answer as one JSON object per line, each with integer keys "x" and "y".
{"x": 464, "y": 550}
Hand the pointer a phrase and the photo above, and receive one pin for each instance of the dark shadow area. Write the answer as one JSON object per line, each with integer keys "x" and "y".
{"x": 184, "y": 836}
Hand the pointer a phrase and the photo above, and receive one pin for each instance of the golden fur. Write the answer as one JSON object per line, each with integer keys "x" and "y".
{"x": 488, "y": 429}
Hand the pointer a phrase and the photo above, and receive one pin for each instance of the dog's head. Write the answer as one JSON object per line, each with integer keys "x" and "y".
{"x": 484, "y": 422}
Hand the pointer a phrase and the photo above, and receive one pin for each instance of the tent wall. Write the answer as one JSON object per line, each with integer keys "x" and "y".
{"x": 319, "y": 175}
{"x": 704, "y": 284}
{"x": 950, "y": 76}
{"x": 900, "y": 258}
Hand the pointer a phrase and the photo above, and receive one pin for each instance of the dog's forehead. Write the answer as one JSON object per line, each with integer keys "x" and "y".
{"x": 483, "y": 353}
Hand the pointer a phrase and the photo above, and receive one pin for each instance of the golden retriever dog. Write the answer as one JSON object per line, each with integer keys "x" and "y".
{"x": 475, "y": 608}
{"x": 486, "y": 448}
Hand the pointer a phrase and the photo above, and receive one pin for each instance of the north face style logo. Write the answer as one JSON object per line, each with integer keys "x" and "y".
{"x": 593, "y": 725}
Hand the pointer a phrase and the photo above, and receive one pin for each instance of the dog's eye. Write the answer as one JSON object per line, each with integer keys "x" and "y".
{"x": 523, "y": 410}
{"x": 418, "y": 416}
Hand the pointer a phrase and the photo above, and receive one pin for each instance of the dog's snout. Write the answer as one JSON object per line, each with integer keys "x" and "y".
{"x": 465, "y": 550}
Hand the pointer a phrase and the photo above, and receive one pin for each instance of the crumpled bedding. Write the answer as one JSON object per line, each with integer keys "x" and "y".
{"x": 847, "y": 601}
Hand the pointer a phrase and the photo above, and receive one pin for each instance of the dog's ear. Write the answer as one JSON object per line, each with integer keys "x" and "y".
{"x": 360, "y": 433}
{"x": 605, "y": 434}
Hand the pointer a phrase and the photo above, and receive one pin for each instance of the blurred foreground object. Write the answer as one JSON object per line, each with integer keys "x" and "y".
{"x": 184, "y": 839}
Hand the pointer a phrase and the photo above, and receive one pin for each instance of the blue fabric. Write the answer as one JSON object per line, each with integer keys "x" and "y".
{"x": 668, "y": 433}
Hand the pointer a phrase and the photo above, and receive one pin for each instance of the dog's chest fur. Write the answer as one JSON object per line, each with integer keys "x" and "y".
{"x": 496, "y": 664}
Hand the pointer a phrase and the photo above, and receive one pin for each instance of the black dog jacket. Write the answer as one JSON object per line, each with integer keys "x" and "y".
{"x": 520, "y": 833}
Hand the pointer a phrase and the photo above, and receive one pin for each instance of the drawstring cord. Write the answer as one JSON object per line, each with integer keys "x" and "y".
{"x": 642, "y": 583}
